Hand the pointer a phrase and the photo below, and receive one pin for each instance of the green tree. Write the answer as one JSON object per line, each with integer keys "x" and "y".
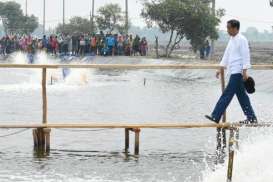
{"x": 14, "y": 20}
{"x": 30, "y": 23}
{"x": 184, "y": 19}
{"x": 111, "y": 18}
{"x": 76, "y": 24}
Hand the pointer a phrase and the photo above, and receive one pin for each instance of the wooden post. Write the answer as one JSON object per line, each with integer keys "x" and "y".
{"x": 41, "y": 138}
{"x": 231, "y": 155}
{"x": 127, "y": 139}
{"x": 35, "y": 138}
{"x": 137, "y": 131}
{"x": 237, "y": 137}
{"x": 221, "y": 132}
{"x": 44, "y": 95}
{"x": 46, "y": 132}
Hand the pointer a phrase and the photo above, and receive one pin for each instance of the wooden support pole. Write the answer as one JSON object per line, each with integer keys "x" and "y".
{"x": 47, "y": 139}
{"x": 237, "y": 137}
{"x": 127, "y": 139}
{"x": 44, "y": 95}
{"x": 231, "y": 155}
{"x": 137, "y": 131}
{"x": 221, "y": 132}
{"x": 35, "y": 138}
{"x": 41, "y": 138}
{"x": 219, "y": 139}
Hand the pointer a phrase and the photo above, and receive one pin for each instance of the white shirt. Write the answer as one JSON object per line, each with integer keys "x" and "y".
{"x": 236, "y": 56}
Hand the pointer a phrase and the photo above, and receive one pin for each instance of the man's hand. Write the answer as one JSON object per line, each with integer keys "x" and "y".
{"x": 219, "y": 72}
{"x": 245, "y": 76}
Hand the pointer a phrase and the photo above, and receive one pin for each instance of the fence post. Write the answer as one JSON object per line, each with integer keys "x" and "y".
{"x": 237, "y": 138}
{"x": 221, "y": 132}
{"x": 137, "y": 131}
{"x": 230, "y": 155}
{"x": 127, "y": 139}
{"x": 41, "y": 136}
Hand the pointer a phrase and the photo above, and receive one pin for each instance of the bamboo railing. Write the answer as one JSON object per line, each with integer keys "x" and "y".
{"x": 129, "y": 66}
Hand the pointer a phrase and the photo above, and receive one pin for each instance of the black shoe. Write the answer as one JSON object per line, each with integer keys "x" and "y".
{"x": 249, "y": 121}
{"x": 211, "y": 119}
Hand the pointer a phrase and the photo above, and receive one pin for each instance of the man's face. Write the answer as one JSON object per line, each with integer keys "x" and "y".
{"x": 231, "y": 30}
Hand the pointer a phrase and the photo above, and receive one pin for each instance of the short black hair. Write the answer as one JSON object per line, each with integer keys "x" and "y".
{"x": 234, "y": 24}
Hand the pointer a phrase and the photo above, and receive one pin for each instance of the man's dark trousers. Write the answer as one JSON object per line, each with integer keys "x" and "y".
{"x": 235, "y": 86}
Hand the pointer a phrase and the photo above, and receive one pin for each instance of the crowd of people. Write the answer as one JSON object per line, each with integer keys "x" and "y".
{"x": 76, "y": 44}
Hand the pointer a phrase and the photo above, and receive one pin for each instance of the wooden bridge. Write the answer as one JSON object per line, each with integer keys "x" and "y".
{"x": 41, "y": 132}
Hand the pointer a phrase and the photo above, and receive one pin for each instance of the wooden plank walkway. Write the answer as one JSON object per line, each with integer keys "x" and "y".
{"x": 181, "y": 125}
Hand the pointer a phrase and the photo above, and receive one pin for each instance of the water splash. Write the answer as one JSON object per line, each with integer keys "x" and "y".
{"x": 19, "y": 58}
{"x": 54, "y": 76}
{"x": 77, "y": 76}
{"x": 253, "y": 162}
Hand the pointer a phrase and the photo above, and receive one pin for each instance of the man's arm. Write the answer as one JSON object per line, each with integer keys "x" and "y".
{"x": 246, "y": 57}
{"x": 224, "y": 61}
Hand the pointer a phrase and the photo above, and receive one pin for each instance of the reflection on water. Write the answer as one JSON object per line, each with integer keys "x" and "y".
{"x": 120, "y": 96}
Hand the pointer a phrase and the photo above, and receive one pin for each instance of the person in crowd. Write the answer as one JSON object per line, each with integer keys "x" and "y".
{"x": 54, "y": 45}
{"x": 105, "y": 50}
{"x": 110, "y": 41}
{"x": 120, "y": 45}
{"x": 50, "y": 42}
{"x": 131, "y": 40}
{"x": 93, "y": 44}
{"x": 136, "y": 45}
{"x": 3, "y": 46}
{"x": 87, "y": 43}
{"x": 82, "y": 45}
{"x": 143, "y": 47}
{"x": 65, "y": 44}
{"x": 127, "y": 48}
{"x": 75, "y": 44}
{"x": 207, "y": 49}
{"x": 44, "y": 43}
{"x": 101, "y": 44}
{"x": 8, "y": 45}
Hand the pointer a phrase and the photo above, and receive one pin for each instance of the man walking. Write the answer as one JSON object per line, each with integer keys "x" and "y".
{"x": 237, "y": 60}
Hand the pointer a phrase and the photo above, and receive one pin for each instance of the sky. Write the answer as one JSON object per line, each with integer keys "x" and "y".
{"x": 251, "y": 13}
